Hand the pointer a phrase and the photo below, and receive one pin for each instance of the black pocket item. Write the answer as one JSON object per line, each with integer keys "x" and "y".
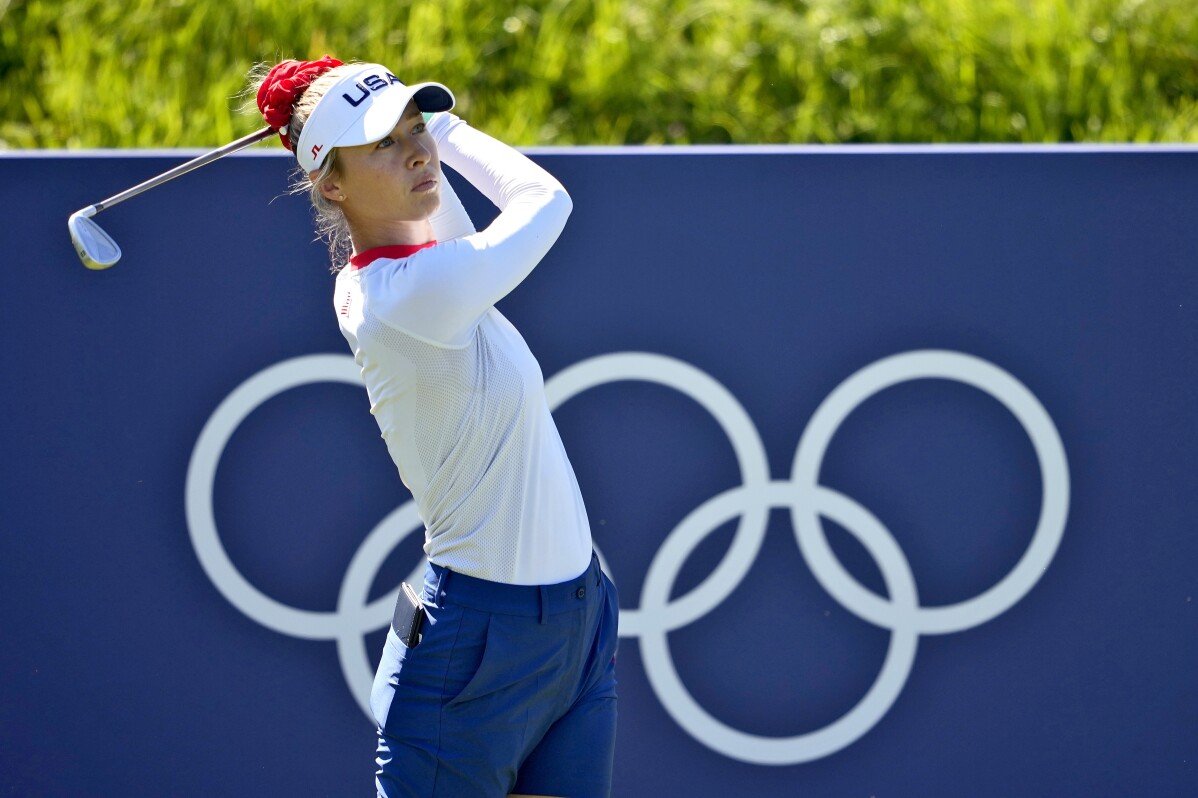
{"x": 408, "y": 619}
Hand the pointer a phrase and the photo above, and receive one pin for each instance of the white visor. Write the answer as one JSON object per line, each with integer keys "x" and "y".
{"x": 362, "y": 107}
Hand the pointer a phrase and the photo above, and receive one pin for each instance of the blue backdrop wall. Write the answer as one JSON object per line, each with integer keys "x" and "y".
{"x": 889, "y": 452}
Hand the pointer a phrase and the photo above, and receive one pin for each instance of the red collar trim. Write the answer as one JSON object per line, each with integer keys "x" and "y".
{"x": 395, "y": 251}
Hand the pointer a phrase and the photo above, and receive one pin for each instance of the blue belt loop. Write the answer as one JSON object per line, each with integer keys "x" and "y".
{"x": 544, "y": 604}
{"x": 442, "y": 578}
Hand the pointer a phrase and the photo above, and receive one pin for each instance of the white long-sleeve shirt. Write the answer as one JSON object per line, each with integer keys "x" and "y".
{"x": 458, "y": 396}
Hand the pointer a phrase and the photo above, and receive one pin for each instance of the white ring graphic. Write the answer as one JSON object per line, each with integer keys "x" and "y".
{"x": 1054, "y": 478}
{"x": 659, "y": 665}
{"x": 806, "y": 499}
{"x": 201, "y": 474}
{"x": 750, "y": 456}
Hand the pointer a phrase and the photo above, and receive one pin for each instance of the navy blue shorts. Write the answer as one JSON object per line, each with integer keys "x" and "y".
{"x": 511, "y": 689}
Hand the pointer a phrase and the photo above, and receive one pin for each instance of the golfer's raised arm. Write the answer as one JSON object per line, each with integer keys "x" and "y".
{"x": 450, "y": 221}
{"x": 448, "y": 289}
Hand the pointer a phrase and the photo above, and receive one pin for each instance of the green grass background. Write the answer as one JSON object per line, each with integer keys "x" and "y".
{"x": 166, "y": 73}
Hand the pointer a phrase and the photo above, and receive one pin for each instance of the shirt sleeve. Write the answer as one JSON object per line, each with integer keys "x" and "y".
{"x": 441, "y": 293}
{"x": 450, "y": 220}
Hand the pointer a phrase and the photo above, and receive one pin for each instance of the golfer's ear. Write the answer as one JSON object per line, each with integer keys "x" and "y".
{"x": 330, "y": 187}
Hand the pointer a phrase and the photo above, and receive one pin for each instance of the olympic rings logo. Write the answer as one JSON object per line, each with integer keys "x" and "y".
{"x": 802, "y": 494}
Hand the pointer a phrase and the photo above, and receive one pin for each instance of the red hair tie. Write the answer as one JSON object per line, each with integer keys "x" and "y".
{"x": 284, "y": 84}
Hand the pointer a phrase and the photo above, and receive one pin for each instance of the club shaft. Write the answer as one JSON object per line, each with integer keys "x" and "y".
{"x": 183, "y": 169}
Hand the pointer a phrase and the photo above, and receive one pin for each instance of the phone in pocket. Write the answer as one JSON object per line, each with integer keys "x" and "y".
{"x": 408, "y": 620}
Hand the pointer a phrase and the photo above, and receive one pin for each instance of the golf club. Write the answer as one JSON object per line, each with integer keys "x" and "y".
{"x": 96, "y": 248}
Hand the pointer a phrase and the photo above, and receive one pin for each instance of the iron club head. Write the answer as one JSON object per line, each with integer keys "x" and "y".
{"x": 96, "y": 248}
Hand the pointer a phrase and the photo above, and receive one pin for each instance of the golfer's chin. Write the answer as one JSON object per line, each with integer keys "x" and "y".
{"x": 429, "y": 201}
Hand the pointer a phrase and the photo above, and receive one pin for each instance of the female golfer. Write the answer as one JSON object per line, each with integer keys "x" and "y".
{"x": 512, "y": 687}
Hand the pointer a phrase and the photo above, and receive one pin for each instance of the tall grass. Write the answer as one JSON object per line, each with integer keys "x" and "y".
{"x": 161, "y": 73}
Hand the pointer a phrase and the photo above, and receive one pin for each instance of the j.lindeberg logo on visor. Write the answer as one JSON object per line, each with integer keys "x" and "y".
{"x": 368, "y": 84}
{"x": 898, "y": 610}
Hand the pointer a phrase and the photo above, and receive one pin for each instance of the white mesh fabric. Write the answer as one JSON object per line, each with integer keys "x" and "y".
{"x": 470, "y": 432}
{"x": 459, "y": 398}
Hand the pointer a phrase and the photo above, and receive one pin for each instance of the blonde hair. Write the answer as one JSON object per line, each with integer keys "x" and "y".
{"x": 329, "y": 218}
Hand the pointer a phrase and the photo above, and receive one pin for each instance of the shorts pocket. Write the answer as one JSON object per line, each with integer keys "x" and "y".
{"x": 410, "y": 685}
{"x": 510, "y": 656}
{"x": 467, "y": 657}
{"x": 470, "y": 666}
